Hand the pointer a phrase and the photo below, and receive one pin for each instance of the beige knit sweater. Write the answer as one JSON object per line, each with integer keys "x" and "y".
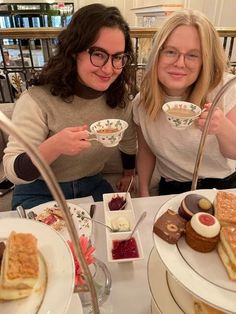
{"x": 39, "y": 115}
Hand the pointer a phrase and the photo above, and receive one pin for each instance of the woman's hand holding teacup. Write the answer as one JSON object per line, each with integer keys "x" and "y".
{"x": 72, "y": 140}
{"x": 216, "y": 122}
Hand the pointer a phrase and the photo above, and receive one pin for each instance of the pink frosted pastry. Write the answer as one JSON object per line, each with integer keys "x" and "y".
{"x": 202, "y": 232}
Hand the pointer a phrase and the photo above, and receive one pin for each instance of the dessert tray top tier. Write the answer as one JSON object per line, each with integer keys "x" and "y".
{"x": 202, "y": 274}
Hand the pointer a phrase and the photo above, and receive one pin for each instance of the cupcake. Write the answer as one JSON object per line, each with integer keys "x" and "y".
{"x": 194, "y": 203}
{"x": 202, "y": 232}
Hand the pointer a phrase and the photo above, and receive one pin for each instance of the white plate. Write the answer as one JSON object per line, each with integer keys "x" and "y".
{"x": 202, "y": 274}
{"x": 60, "y": 268}
{"x": 167, "y": 295}
{"x": 82, "y": 224}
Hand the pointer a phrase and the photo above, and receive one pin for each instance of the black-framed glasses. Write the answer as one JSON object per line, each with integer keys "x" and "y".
{"x": 99, "y": 57}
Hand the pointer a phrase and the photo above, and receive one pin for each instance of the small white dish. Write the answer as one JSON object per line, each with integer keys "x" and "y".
{"x": 119, "y": 218}
{"x": 181, "y": 114}
{"x": 111, "y": 237}
{"x": 128, "y": 212}
{"x": 108, "y": 197}
{"x": 109, "y": 132}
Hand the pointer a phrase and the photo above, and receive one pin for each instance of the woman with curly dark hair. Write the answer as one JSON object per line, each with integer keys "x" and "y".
{"x": 87, "y": 79}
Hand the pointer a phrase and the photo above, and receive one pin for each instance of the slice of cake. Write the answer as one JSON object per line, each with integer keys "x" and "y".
{"x": 227, "y": 250}
{"x": 169, "y": 226}
{"x": 202, "y": 232}
{"x": 20, "y": 265}
{"x": 225, "y": 207}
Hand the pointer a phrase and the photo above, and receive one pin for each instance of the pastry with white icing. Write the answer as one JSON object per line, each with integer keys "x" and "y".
{"x": 202, "y": 232}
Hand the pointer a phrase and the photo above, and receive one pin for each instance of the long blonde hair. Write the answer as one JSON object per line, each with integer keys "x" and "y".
{"x": 214, "y": 62}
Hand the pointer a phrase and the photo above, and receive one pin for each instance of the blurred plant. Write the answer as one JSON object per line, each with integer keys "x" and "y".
{"x": 88, "y": 251}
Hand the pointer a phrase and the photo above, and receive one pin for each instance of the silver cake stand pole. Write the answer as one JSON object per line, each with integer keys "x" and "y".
{"x": 7, "y": 126}
{"x": 205, "y": 129}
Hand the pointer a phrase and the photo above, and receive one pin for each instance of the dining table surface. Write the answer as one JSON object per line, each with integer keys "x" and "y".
{"x": 130, "y": 291}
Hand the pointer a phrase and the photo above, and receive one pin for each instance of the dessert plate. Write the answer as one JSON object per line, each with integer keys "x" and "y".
{"x": 202, "y": 274}
{"x": 59, "y": 265}
{"x": 80, "y": 216}
{"x": 167, "y": 295}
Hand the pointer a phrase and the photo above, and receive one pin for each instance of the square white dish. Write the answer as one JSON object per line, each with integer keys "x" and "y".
{"x": 108, "y": 197}
{"x": 117, "y": 218}
{"x": 122, "y": 236}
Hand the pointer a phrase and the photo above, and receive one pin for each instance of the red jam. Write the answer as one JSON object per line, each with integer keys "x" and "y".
{"x": 124, "y": 249}
{"x": 116, "y": 202}
{"x": 206, "y": 220}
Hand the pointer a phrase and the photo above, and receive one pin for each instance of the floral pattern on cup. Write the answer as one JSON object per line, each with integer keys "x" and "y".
{"x": 181, "y": 114}
{"x": 109, "y": 132}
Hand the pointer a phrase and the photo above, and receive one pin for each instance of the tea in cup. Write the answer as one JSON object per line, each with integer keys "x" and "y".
{"x": 181, "y": 114}
{"x": 108, "y": 132}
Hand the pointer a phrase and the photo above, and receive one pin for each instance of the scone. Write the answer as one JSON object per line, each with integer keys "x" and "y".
{"x": 195, "y": 203}
{"x": 202, "y": 232}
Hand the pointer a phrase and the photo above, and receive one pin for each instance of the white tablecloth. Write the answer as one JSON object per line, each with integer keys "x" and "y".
{"x": 130, "y": 292}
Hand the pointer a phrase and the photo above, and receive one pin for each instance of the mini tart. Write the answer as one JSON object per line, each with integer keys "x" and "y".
{"x": 202, "y": 232}
{"x": 194, "y": 203}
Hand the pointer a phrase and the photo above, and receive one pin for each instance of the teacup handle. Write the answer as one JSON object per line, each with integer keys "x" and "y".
{"x": 92, "y": 138}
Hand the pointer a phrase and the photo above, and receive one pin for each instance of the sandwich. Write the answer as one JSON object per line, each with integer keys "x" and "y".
{"x": 225, "y": 208}
{"x": 52, "y": 217}
{"x": 203, "y": 308}
{"x": 227, "y": 250}
{"x": 19, "y": 267}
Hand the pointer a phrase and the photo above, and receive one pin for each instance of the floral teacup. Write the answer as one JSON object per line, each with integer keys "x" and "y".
{"x": 108, "y": 132}
{"x": 181, "y": 114}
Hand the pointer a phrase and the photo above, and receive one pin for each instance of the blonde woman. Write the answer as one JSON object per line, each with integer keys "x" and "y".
{"x": 187, "y": 62}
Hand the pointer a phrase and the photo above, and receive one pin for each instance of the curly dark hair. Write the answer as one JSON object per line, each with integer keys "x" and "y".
{"x": 83, "y": 30}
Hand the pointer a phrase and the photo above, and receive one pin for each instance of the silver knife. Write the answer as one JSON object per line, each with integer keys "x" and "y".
{"x": 92, "y": 210}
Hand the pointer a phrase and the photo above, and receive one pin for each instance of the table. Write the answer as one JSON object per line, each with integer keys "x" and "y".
{"x": 130, "y": 292}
